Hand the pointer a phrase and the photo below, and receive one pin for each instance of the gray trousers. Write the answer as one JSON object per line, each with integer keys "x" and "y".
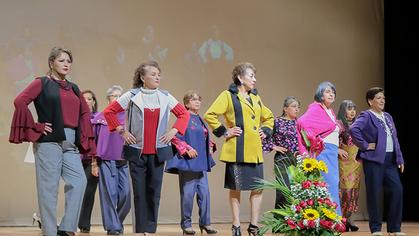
{"x": 52, "y": 161}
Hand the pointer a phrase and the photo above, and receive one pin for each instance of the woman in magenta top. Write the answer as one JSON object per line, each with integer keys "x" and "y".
{"x": 62, "y": 132}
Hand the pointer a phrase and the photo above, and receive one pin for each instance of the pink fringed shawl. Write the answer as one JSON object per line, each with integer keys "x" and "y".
{"x": 316, "y": 125}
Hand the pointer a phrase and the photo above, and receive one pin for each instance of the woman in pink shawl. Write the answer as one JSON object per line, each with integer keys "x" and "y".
{"x": 319, "y": 131}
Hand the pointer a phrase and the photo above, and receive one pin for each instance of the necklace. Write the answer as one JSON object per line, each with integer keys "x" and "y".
{"x": 147, "y": 104}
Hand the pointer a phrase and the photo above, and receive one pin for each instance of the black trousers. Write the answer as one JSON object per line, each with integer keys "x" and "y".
{"x": 147, "y": 177}
{"x": 379, "y": 177}
{"x": 89, "y": 196}
{"x": 282, "y": 162}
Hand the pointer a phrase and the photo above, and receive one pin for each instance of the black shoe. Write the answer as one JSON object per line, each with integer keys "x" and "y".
{"x": 188, "y": 231}
{"x": 113, "y": 232}
{"x": 84, "y": 230}
{"x": 208, "y": 229}
{"x": 252, "y": 230}
{"x": 65, "y": 233}
{"x": 235, "y": 231}
{"x": 351, "y": 227}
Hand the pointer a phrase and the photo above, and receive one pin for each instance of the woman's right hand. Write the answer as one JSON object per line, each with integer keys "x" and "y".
{"x": 234, "y": 131}
{"x": 47, "y": 128}
{"x": 280, "y": 149}
{"x": 371, "y": 146}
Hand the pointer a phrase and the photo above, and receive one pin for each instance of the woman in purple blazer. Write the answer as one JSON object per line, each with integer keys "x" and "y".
{"x": 375, "y": 135}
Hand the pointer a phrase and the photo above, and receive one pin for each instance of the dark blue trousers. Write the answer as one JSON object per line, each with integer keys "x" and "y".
{"x": 379, "y": 177}
{"x": 114, "y": 192}
{"x": 147, "y": 177}
{"x": 191, "y": 183}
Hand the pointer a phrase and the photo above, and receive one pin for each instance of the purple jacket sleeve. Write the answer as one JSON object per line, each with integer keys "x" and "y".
{"x": 356, "y": 131}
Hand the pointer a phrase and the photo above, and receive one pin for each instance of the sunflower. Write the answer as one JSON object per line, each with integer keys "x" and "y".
{"x": 322, "y": 166}
{"x": 309, "y": 164}
{"x": 329, "y": 214}
{"x": 311, "y": 214}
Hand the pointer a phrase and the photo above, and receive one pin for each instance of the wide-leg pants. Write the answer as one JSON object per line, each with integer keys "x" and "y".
{"x": 191, "y": 183}
{"x": 114, "y": 191}
{"x": 54, "y": 160}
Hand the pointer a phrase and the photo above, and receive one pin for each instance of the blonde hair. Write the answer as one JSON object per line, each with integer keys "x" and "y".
{"x": 56, "y": 52}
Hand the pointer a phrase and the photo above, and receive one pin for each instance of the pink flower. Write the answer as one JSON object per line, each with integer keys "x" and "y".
{"x": 317, "y": 144}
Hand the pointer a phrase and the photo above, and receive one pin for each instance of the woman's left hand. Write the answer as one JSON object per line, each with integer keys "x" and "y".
{"x": 262, "y": 135}
{"x": 167, "y": 137}
{"x": 401, "y": 167}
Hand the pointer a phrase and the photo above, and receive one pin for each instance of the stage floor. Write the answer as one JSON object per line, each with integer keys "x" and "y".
{"x": 410, "y": 228}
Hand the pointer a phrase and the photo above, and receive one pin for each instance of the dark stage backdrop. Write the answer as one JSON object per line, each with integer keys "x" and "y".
{"x": 401, "y": 74}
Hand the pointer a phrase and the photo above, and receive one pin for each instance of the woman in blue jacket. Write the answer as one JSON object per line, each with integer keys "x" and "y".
{"x": 192, "y": 162}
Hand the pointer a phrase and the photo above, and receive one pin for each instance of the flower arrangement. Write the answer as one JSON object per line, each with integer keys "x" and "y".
{"x": 310, "y": 210}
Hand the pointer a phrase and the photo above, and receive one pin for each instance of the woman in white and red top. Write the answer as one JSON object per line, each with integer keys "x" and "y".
{"x": 146, "y": 128}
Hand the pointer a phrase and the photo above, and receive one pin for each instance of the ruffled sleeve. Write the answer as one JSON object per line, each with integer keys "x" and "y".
{"x": 23, "y": 127}
{"x": 87, "y": 137}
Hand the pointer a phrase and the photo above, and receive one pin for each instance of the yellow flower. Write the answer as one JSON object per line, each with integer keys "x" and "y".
{"x": 309, "y": 164}
{"x": 311, "y": 214}
{"x": 329, "y": 214}
{"x": 322, "y": 166}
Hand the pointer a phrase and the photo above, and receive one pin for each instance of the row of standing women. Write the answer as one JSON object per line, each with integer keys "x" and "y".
{"x": 64, "y": 130}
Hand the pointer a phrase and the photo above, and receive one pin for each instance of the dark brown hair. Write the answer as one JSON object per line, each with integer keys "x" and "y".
{"x": 140, "y": 72}
{"x": 94, "y": 99}
{"x": 372, "y": 92}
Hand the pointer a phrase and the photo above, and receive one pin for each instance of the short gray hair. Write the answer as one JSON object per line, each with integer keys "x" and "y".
{"x": 318, "y": 96}
{"x": 112, "y": 89}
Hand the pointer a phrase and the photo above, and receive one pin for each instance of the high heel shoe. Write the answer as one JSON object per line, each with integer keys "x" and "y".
{"x": 351, "y": 227}
{"x": 36, "y": 218}
{"x": 252, "y": 229}
{"x": 235, "y": 231}
{"x": 208, "y": 229}
{"x": 188, "y": 231}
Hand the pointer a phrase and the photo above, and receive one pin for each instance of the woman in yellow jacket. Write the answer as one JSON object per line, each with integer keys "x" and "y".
{"x": 248, "y": 121}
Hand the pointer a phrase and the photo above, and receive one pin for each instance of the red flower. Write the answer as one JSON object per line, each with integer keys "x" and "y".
{"x": 326, "y": 224}
{"x": 311, "y": 224}
{"x": 310, "y": 202}
{"x": 301, "y": 225}
{"x": 291, "y": 224}
{"x": 320, "y": 200}
{"x": 340, "y": 227}
{"x": 306, "y": 184}
{"x": 322, "y": 184}
{"x": 298, "y": 208}
{"x": 303, "y": 204}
